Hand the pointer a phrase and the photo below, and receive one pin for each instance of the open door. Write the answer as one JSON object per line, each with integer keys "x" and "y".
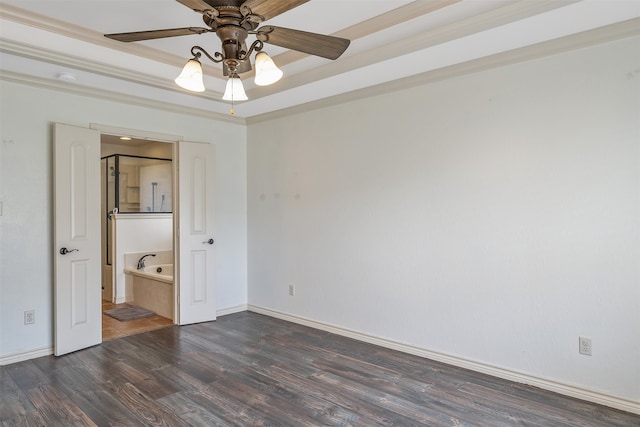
{"x": 77, "y": 286}
{"x": 195, "y": 247}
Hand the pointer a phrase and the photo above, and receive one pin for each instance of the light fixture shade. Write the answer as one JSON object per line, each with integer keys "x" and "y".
{"x": 191, "y": 76}
{"x": 234, "y": 90}
{"x": 266, "y": 70}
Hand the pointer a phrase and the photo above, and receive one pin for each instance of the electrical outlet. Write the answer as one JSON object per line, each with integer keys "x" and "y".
{"x": 292, "y": 290}
{"x": 29, "y": 317}
{"x": 584, "y": 346}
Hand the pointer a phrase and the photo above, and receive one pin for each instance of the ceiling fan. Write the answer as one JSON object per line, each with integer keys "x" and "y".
{"x": 233, "y": 21}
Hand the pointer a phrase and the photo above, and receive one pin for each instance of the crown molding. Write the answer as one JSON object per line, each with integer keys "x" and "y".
{"x": 384, "y": 21}
{"x": 505, "y": 14}
{"x": 107, "y": 95}
{"x": 373, "y": 25}
{"x": 56, "y": 26}
{"x": 79, "y": 63}
{"x": 600, "y": 35}
{"x": 500, "y": 16}
{"x": 585, "y": 39}
{"x": 465, "y": 27}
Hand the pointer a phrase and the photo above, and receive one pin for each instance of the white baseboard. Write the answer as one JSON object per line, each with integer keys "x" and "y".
{"x": 616, "y": 402}
{"x": 231, "y": 310}
{"x": 46, "y": 351}
{"x": 21, "y": 357}
{"x": 628, "y": 405}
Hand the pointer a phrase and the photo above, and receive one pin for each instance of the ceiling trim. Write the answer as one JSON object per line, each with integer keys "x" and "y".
{"x": 509, "y": 13}
{"x": 372, "y": 25}
{"x": 589, "y": 38}
{"x": 581, "y": 40}
{"x": 394, "y": 17}
{"x": 501, "y": 16}
{"x": 71, "y": 61}
{"x": 377, "y": 23}
{"x": 504, "y": 15}
{"x": 45, "y": 23}
{"x": 117, "y": 97}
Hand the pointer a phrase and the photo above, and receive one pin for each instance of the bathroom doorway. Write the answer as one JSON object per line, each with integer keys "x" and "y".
{"x": 78, "y": 292}
{"x": 137, "y": 219}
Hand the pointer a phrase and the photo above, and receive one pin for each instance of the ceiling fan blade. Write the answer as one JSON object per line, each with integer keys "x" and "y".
{"x": 156, "y": 34}
{"x": 329, "y": 47}
{"x": 199, "y": 6}
{"x": 267, "y": 9}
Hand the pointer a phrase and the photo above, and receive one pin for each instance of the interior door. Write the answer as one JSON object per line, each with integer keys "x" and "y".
{"x": 77, "y": 286}
{"x": 195, "y": 234}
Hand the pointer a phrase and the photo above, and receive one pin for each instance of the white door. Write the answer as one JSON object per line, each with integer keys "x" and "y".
{"x": 77, "y": 287}
{"x": 195, "y": 234}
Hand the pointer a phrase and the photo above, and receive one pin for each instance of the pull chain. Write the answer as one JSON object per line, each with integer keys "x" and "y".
{"x": 233, "y": 111}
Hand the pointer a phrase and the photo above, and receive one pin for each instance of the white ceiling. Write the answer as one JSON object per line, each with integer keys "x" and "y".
{"x": 393, "y": 43}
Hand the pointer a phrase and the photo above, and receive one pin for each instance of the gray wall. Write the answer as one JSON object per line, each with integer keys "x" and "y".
{"x": 493, "y": 217}
{"x": 26, "y": 224}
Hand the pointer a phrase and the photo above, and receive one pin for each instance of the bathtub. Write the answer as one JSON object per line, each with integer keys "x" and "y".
{"x": 159, "y": 272}
{"x": 152, "y": 288}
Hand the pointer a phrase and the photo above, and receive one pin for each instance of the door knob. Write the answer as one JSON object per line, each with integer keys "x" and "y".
{"x": 210, "y": 242}
{"x": 64, "y": 251}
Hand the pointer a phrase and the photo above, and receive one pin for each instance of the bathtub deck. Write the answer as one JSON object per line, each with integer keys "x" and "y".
{"x": 112, "y": 328}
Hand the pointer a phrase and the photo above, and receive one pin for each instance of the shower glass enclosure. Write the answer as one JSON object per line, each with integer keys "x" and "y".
{"x": 135, "y": 185}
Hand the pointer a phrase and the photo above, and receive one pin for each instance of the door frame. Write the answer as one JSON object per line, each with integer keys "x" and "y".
{"x": 100, "y": 130}
{"x": 165, "y": 138}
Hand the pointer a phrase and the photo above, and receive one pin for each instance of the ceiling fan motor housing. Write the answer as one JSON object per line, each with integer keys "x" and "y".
{"x": 233, "y": 29}
{"x": 216, "y": 4}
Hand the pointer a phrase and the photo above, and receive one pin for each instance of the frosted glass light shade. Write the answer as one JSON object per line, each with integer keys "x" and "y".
{"x": 234, "y": 90}
{"x": 266, "y": 70}
{"x": 191, "y": 76}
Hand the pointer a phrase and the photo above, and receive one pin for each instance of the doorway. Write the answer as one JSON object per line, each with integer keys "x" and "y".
{"x": 77, "y": 233}
{"x": 128, "y": 166}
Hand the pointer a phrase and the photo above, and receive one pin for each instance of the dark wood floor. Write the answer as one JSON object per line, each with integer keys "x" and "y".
{"x": 246, "y": 369}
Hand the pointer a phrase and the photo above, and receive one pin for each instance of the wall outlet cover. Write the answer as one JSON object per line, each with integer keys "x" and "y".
{"x": 29, "y": 317}
{"x": 584, "y": 346}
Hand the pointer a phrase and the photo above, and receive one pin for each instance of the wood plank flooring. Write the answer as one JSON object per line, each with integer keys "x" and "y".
{"x": 113, "y": 328}
{"x": 246, "y": 369}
